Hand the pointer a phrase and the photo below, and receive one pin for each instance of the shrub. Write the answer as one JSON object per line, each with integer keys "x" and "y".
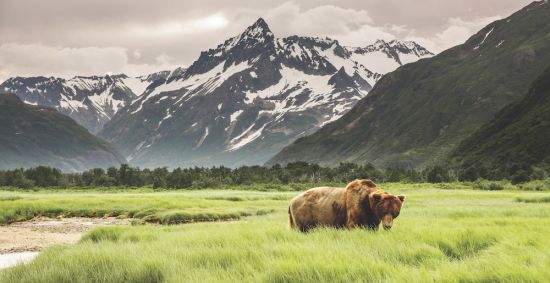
{"x": 521, "y": 176}
{"x": 539, "y": 185}
{"x": 488, "y": 185}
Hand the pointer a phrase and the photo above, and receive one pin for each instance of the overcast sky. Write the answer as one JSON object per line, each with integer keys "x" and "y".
{"x": 70, "y": 37}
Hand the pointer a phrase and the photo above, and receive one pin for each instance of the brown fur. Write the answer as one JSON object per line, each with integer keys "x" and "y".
{"x": 360, "y": 204}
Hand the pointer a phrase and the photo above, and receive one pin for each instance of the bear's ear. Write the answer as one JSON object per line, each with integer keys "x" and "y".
{"x": 376, "y": 198}
{"x": 401, "y": 198}
{"x": 369, "y": 183}
{"x": 353, "y": 185}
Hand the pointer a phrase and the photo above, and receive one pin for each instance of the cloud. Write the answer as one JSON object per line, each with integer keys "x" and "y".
{"x": 178, "y": 27}
{"x": 163, "y": 59}
{"x": 326, "y": 19}
{"x": 66, "y": 38}
{"x": 140, "y": 47}
{"x": 38, "y": 59}
{"x": 355, "y": 27}
{"x": 352, "y": 27}
{"x": 136, "y": 54}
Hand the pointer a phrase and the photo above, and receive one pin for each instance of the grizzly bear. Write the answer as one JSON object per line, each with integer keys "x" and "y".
{"x": 360, "y": 204}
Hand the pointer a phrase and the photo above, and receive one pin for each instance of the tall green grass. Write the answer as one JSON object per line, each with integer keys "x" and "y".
{"x": 441, "y": 235}
{"x": 163, "y": 207}
{"x": 534, "y": 199}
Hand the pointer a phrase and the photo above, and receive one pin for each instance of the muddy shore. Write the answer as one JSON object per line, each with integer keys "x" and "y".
{"x": 22, "y": 240}
{"x": 38, "y": 233}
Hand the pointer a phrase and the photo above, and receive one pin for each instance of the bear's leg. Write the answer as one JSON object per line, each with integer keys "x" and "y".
{"x": 353, "y": 220}
{"x": 291, "y": 222}
{"x": 305, "y": 228}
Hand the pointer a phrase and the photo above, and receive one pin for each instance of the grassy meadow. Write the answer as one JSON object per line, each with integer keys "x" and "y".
{"x": 448, "y": 233}
{"x": 142, "y": 205}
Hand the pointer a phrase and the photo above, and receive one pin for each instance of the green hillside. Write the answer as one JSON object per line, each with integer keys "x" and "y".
{"x": 515, "y": 142}
{"x": 423, "y": 110}
{"x": 32, "y": 136}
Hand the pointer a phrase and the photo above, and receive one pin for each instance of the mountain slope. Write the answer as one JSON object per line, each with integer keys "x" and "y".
{"x": 91, "y": 101}
{"x": 516, "y": 139}
{"x": 422, "y": 110}
{"x": 32, "y": 136}
{"x": 243, "y": 101}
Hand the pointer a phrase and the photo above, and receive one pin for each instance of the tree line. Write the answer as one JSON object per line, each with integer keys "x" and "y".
{"x": 213, "y": 177}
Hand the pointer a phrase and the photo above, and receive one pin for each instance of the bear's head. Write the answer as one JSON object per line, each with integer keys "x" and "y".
{"x": 386, "y": 207}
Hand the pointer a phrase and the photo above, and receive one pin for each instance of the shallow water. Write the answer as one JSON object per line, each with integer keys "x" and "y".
{"x": 11, "y": 259}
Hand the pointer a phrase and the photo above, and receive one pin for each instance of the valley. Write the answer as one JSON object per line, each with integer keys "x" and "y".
{"x": 274, "y": 141}
{"x": 238, "y": 104}
{"x": 466, "y": 229}
{"x": 417, "y": 114}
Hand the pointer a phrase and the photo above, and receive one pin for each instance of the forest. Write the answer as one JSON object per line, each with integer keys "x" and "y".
{"x": 218, "y": 177}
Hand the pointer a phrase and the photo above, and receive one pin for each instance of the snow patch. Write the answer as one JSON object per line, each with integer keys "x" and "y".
{"x": 377, "y": 61}
{"x": 202, "y": 138}
{"x": 161, "y": 99}
{"x": 235, "y": 115}
{"x": 73, "y": 105}
{"x": 338, "y": 111}
{"x": 245, "y": 138}
{"x": 104, "y": 101}
{"x": 136, "y": 85}
{"x": 290, "y": 78}
{"x": 337, "y": 61}
{"x": 168, "y": 116}
{"x": 30, "y": 103}
{"x": 205, "y": 82}
{"x": 484, "y": 38}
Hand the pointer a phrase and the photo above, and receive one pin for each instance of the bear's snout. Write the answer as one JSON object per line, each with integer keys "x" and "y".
{"x": 387, "y": 221}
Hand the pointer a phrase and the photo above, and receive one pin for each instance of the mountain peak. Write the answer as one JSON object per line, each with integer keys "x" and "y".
{"x": 380, "y": 42}
{"x": 261, "y": 22}
{"x": 393, "y": 47}
{"x": 258, "y": 30}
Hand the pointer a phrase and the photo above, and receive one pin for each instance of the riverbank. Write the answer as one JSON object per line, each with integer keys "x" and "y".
{"x": 22, "y": 241}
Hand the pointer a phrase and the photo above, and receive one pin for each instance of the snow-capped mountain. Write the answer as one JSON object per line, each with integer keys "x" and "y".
{"x": 91, "y": 101}
{"x": 243, "y": 101}
{"x": 376, "y": 55}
